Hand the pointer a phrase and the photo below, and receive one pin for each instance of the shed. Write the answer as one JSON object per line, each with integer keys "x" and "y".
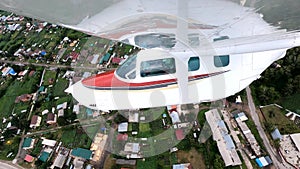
{"x": 276, "y": 134}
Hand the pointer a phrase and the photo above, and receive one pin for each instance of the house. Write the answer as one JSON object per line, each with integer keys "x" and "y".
{"x": 29, "y": 158}
{"x": 61, "y": 113}
{"x": 28, "y": 143}
{"x": 74, "y": 56}
{"x": 132, "y": 148}
{"x": 51, "y": 118}
{"x": 49, "y": 143}
{"x": 44, "y": 156}
{"x": 8, "y": 71}
{"x": 116, "y": 60}
{"x": 241, "y": 116}
{"x": 123, "y": 127}
{"x": 35, "y": 121}
{"x": 62, "y": 106}
{"x": 23, "y": 73}
{"x": 105, "y": 58}
{"x": 238, "y": 100}
{"x": 23, "y": 98}
{"x": 76, "y": 109}
{"x": 82, "y": 153}
{"x": 69, "y": 74}
{"x": 182, "y": 166}
{"x": 122, "y": 137}
{"x": 126, "y": 162}
{"x": 95, "y": 59}
{"x": 133, "y": 117}
{"x": 78, "y": 163}
{"x": 174, "y": 117}
{"x": 31, "y": 73}
{"x": 45, "y": 112}
{"x": 61, "y": 158}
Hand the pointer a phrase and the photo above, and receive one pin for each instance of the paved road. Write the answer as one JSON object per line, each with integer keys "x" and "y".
{"x": 53, "y": 65}
{"x": 278, "y": 164}
{"x": 7, "y": 166}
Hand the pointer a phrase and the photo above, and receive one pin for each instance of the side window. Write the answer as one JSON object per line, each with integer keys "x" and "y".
{"x": 158, "y": 67}
{"x": 194, "y": 63}
{"x": 221, "y": 38}
{"x": 221, "y": 61}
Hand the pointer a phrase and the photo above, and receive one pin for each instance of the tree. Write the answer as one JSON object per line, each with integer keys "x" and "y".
{"x": 277, "y": 143}
{"x": 218, "y": 162}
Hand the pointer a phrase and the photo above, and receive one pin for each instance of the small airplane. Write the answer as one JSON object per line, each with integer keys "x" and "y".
{"x": 192, "y": 51}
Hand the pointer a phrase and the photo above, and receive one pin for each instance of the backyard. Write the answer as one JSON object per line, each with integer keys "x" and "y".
{"x": 276, "y": 117}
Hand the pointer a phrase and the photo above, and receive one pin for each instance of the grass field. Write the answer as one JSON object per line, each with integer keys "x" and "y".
{"x": 60, "y": 86}
{"x": 276, "y": 116}
{"x": 193, "y": 157}
{"x": 16, "y": 88}
{"x": 73, "y": 138}
{"x": 9, "y": 146}
{"x": 49, "y": 74}
{"x": 149, "y": 163}
{"x": 292, "y": 103}
{"x": 144, "y": 130}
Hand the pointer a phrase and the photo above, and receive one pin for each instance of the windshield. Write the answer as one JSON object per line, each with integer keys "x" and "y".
{"x": 127, "y": 69}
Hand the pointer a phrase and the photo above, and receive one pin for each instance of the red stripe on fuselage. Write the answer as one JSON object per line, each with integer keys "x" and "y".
{"x": 108, "y": 79}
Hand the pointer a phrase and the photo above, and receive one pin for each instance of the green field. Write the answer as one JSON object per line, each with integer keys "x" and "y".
{"x": 15, "y": 89}
{"x": 60, "y": 86}
{"x": 11, "y": 145}
{"x": 292, "y": 103}
{"x": 48, "y": 76}
{"x": 277, "y": 118}
{"x": 73, "y": 138}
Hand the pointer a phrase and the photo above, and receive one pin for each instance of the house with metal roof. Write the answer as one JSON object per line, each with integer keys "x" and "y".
{"x": 82, "y": 153}
{"x": 35, "y": 121}
{"x": 28, "y": 143}
{"x": 182, "y": 166}
{"x": 61, "y": 158}
{"x": 123, "y": 127}
{"x": 44, "y": 156}
{"x": 276, "y": 135}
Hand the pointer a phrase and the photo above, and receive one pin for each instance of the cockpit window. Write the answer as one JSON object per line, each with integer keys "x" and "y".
{"x": 194, "y": 63}
{"x": 127, "y": 69}
{"x": 158, "y": 67}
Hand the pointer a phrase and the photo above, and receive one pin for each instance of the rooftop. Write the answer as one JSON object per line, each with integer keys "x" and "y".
{"x": 82, "y": 153}
{"x": 27, "y": 142}
{"x": 296, "y": 140}
{"x": 182, "y": 166}
{"x": 29, "y": 158}
{"x": 123, "y": 127}
{"x": 44, "y": 156}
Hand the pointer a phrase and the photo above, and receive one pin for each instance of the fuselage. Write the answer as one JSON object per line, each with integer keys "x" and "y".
{"x": 191, "y": 51}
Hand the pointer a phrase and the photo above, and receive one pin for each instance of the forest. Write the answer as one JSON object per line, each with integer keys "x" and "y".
{"x": 280, "y": 83}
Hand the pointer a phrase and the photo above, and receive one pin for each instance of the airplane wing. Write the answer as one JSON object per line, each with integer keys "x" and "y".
{"x": 124, "y": 19}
